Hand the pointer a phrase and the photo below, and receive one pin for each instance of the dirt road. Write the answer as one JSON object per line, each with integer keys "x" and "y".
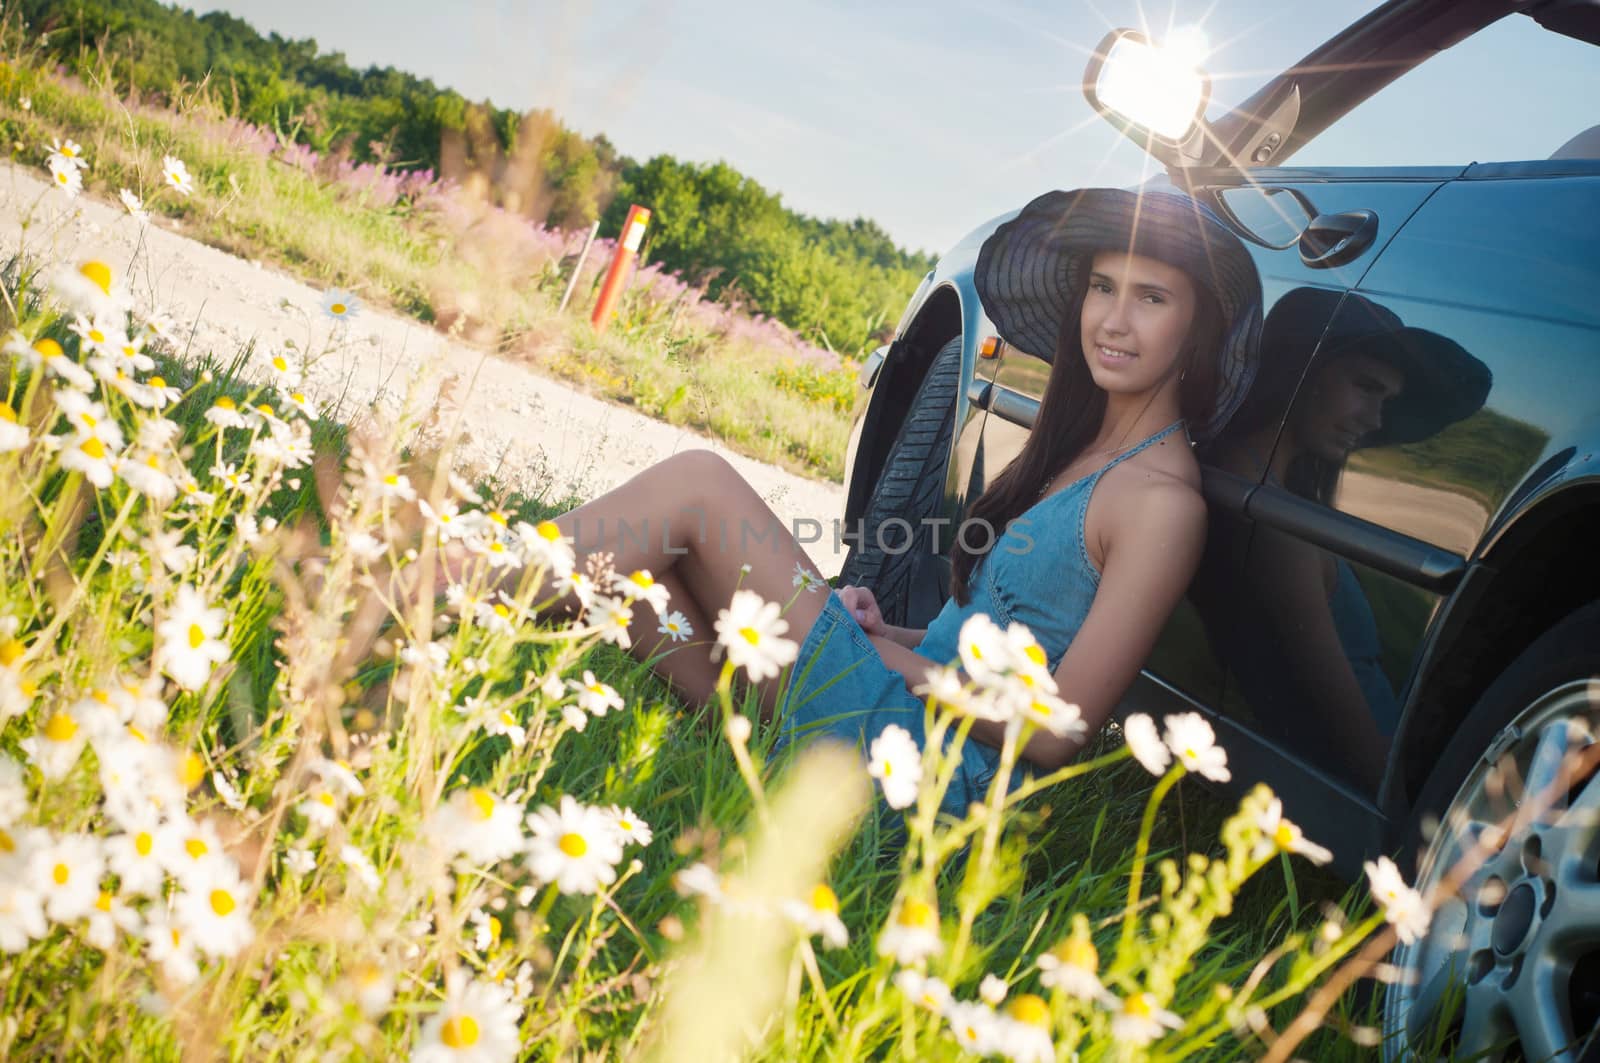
{"x": 540, "y": 434}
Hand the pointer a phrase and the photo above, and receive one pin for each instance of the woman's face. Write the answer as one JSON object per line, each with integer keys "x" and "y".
{"x": 1136, "y": 317}
{"x": 1344, "y": 404}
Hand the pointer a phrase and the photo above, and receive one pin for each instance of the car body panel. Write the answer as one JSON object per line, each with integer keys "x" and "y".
{"x": 1412, "y": 536}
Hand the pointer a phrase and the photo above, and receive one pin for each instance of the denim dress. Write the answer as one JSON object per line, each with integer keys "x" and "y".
{"x": 1038, "y": 573}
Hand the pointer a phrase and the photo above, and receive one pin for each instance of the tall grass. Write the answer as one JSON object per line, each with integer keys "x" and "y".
{"x": 440, "y": 252}
{"x": 265, "y": 794}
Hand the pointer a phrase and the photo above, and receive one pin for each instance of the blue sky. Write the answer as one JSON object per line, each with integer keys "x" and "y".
{"x": 927, "y": 117}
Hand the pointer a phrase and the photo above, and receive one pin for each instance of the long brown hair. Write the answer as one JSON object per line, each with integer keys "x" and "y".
{"x": 1070, "y": 414}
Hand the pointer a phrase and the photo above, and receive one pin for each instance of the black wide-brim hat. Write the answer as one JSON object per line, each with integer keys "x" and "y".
{"x": 1444, "y": 383}
{"x": 1033, "y": 270}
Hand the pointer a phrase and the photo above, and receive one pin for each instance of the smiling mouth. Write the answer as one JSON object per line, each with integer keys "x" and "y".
{"x": 1114, "y": 354}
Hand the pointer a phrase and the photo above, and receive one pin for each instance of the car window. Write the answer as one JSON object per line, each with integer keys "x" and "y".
{"x": 1512, "y": 92}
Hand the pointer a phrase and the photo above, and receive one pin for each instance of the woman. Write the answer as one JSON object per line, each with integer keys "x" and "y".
{"x": 1290, "y": 620}
{"x": 1151, "y": 310}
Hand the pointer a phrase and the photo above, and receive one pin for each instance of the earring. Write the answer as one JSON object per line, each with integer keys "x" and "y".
{"x": 1183, "y": 374}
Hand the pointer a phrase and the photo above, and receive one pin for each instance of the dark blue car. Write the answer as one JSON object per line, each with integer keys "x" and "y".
{"x": 1397, "y": 621}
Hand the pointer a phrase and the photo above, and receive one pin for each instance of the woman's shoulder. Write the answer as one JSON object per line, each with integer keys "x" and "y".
{"x": 1158, "y": 488}
{"x": 1169, "y": 468}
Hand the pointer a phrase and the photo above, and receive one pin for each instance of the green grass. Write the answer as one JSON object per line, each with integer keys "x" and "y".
{"x": 321, "y": 651}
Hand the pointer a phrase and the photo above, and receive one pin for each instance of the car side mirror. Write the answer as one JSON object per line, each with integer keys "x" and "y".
{"x": 1155, "y": 95}
{"x": 1266, "y": 215}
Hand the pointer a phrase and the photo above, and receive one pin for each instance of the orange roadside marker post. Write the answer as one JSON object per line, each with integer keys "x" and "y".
{"x": 627, "y": 247}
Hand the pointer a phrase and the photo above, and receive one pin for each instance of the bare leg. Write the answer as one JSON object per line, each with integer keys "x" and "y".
{"x": 686, "y": 665}
{"x": 693, "y": 521}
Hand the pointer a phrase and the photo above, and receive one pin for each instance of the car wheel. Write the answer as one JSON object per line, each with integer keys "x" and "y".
{"x": 1510, "y": 968}
{"x": 895, "y": 541}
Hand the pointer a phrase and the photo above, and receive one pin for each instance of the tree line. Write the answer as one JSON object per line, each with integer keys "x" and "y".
{"x": 835, "y": 282}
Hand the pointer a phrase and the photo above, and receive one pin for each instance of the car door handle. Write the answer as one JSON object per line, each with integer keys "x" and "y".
{"x": 1335, "y": 239}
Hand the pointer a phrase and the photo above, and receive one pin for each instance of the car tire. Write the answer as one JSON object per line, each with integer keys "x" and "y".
{"x": 1512, "y": 964}
{"x": 888, "y": 558}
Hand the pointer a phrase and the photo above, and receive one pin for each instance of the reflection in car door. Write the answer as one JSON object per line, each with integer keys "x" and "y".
{"x": 1288, "y": 637}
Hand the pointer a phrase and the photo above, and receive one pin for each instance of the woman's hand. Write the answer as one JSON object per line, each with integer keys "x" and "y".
{"x": 864, "y": 607}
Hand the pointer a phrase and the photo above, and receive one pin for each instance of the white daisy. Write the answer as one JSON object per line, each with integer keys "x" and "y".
{"x": 339, "y": 776}
{"x": 479, "y": 825}
{"x": 66, "y": 176}
{"x": 1137, "y": 1020}
{"x": 176, "y": 175}
{"x": 66, "y": 872}
{"x": 1073, "y": 967}
{"x": 1030, "y": 666}
{"x": 477, "y": 1024}
{"x": 58, "y": 743}
{"x": 191, "y": 639}
{"x": 1025, "y": 1030}
{"x": 21, "y": 910}
{"x": 224, "y": 413}
{"x": 1061, "y": 718}
{"x": 300, "y": 402}
{"x": 135, "y": 858}
{"x": 807, "y": 580}
{"x": 13, "y": 435}
{"x": 68, "y": 150}
{"x": 575, "y": 846}
{"x": 946, "y": 687}
{"x": 504, "y": 722}
{"x": 896, "y": 762}
{"x": 913, "y": 934}
{"x": 373, "y": 987}
{"x": 924, "y": 990}
{"x": 362, "y": 867}
{"x": 170, "y": 945}
{"x": 448, "y": 520}
{"x": 146, "y": 477}
{"x": 577, "y": 584}
{"x": 393, "y": 485}
{"x": 641, "y": 586}
{"x": 1403, "y": 907}
{"x": 1139, "y": 730}
{"x": 108, "y": 916}
{"x": 340, "y": 305}
{"x": 134, "y": 205}
{"x": 47, "y": 353}
{"x": 285, "y": 374}
{"x": 594, "y": 696}
{"x": 545, "y": 547}
{"x": 985, "y": 654}
{"x": 611, "y": 617}
{"x": 188, "y": 848}
{"x": 676, "y": 627}
{"x": 752, "y": 632}
{"x": 1193, "y": 742}
{"x": 818, "y": 915}
{"x": 974, "y": 1025}
{"x": 1277, "y": 833}
{"x": 91, "y": 455}
{"x": 299, "y": 860}
{"x": 629, "y": 827}
{"x": 699, "y": 880}
{"x": 320, "y": 809}
{"x": 992, "y": 990}
{"x": 90, "y": 287}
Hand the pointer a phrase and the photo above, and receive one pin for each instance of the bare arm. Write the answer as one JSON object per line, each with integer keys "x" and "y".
{"x": 1154, "y": 539}
{"x": 1155, "y": 545}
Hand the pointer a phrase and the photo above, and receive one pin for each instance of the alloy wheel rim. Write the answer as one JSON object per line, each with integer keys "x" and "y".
{"x": 1494, "y": 977}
